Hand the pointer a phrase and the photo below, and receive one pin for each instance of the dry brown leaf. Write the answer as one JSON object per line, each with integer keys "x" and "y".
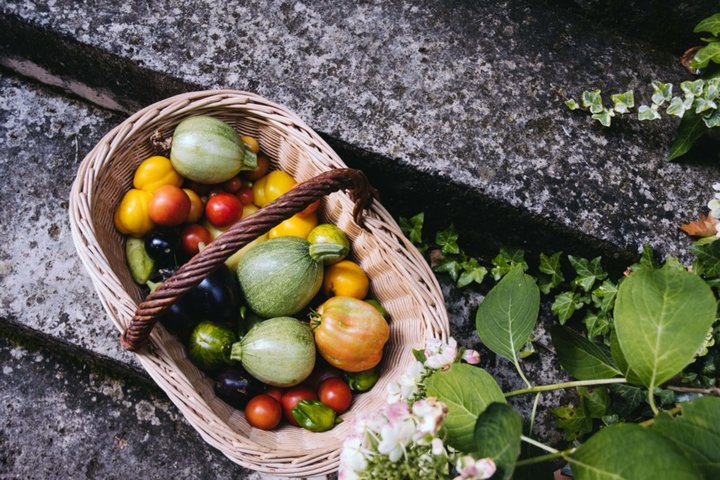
{"x": 704, "y": 227}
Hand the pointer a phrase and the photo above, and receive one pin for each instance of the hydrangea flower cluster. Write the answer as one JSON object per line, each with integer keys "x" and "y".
{"x": 401, "y": 441}
{"x": 714, "y": 206}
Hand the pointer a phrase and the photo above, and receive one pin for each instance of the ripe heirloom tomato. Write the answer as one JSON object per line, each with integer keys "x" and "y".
{"x": 196, "y": 206}
{"x": 233, "y": 185}
{"x": 263, "y": 165}
{"x": 169, "y": 206}
{"x": 245, "y": 195}
{"x": 275, "y": 392}
{"x": 191, "y": 236}
{"x": 291, "y": 397}
{"x": 336, "y": 394}
{"x": 223, "y": 209}
{"x": 263, "y": 412}
{"x": 349, "y": 333}
{"x": 346, "y": 279}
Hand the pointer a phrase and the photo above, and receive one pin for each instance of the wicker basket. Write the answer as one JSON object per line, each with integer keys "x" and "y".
{"x": 400, "y": 278}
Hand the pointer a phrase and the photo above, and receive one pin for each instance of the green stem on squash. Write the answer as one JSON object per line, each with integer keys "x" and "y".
{"x": 321, "y": 251}
{"x": 236, "y": 352}
{"x": 559, "y": 386}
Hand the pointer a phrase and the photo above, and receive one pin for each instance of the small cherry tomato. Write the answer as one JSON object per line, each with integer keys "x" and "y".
{"x": 292, "y": 396}
{"x": 214, "y": 191}
{"x": 223, "y": 209}
{"x": 336, "y": 394}
{"x": 263, "y": 165}
{"x": 346, "y": 279}
{"x": 169, "y": 206}
{"x": 196, "y": 206}
{"x": 191, "y": 236}
{"x": 245, "y": 195}
{"x": 263, "y": 412}
{"x": 310, "y": 209}
{"x": 197, "y": 187}
{"x": 275, "y": 392}
{"x": 233, "y": 185}
{"x": 249, "y": 210}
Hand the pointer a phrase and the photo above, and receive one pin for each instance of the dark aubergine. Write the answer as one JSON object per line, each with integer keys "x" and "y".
{"x": 180, "y": 319}
{"x": 162, "y": 246}
{"x": 235, "y": 386}
{"x": 217, "y": 297}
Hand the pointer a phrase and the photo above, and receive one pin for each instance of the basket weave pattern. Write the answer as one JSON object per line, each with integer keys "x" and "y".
{"x": 400, "y": 278}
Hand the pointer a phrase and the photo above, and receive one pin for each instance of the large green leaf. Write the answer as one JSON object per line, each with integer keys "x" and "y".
{"x": 507, "y": 316}
{"x": 709, "y": 53}
{"x": 580, "y": 357}
{"x": 661, "y": 319}
{"x": 710, "y": 25}
{"x": 690, "y": 129}
{"x": 630, "y": 452}
{"x": 497, "y": 435}
{"x": 696, "y": 432}
{"x": 467, "y": 391}
{"x": 707, "y": 261}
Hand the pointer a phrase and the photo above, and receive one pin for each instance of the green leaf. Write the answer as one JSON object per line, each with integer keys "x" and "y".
{"x": 412, "y": 228}
{"x": 692, "y": 89}
{"x": 588, "y": 271}
{"x": 597, "y": 401}
{"x": 604, "y": 296}
{"x": 472, "y": 272}
{"x": 646, "y": 261}
{"x": 661, "y": 319}
{"x": 690, "y": 129}
{"x": 565, "y": 305}
{"x": 707, "y": 258}
{"x": 626, "y": 399}
{"x": 505, "y": 260}
{"x": 575, "y": 422}
{"x": 696, "y": 432}
{"x": 713, "y": 120}
{"x": 630, "y": 452}
{"x": 707, "y": 54}
{"x": 447, "y": 240}
{"x": 604, "y": 117}
{"x": 450, "y": 266}
{"x": 623, "y": 101}
{"x": 580, "y": 357}
{"x": 507, "y": 316}
{"x": 648, "y": 113}
{"x": 597, "y": 324}
{"x": 662, "y": 92}
{"x": 703, "y": 105}
{"x": 467, "y": 391}
{"x": 572, "y": 104}
{"x": 710, "y": 25}
{"x": 593, "y": 100}
{"x": 677, "y": 107}
{"x": 497, "y": 435}
{"x": 551, "y": 267}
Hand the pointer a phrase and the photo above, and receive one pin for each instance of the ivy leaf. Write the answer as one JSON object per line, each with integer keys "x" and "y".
{"x": 712, "y": 120}
{"x": 604, "y": 296}
{"x": 597, "y": 401}
{"x": 588, "y": 271}
{"x": 707, "y": 54}
{"x": 696, "y": 432}
{"x": 447, "y": 240}
{"x": 629, "y": 452}
{"x": 412, "y": 228}
{"x": 572, "y": 104}
{"x": 677, "y": 107}
{"x": 662, "y": 92}
{"x": 707, "y": 258}
{"x": 419, "y": 355}
{"x": 471, "y": 272}
{"x": 497, "y": 435}
{"x": 597, "y": 324}
{"x": 704, "y": 104}
{"x": 551, "y": 267}
{"x": 661, "y": 319}
{"x": 580, "y": 357}
{"x": 575, "y": 422}
{"x": 692, "y": 89}
{"x": 450, "y": 266}
{"x": 593, "y": 100}
{"x": 604, "y": 117}
{"x": 648, "y": 113}
{"x": 507, "y": 316}
{"x": 467, "y": 391}
{"x": 709, "y": 25}
{"x": 626, "y": 399}
{"x": 505, "y": 260}
{"x": 623, "y": 102}
{"x": 565, "y": 305}
{"x": 689, "y": 131}
{"x": 647, "y": 260}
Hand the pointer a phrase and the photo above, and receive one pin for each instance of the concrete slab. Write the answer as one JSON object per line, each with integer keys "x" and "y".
{"x": 468, "y": 93}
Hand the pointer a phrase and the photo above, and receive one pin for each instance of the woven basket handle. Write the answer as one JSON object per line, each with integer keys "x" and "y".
{"x": 239, "y": 235}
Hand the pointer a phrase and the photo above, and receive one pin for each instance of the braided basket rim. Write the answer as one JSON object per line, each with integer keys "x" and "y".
{"x": 405, "y": 283}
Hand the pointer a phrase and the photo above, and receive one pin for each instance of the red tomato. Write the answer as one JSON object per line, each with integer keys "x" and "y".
{"x": 191, "y": 236}
{"x": 223, "y": 209}
{"x": 263, "y": 412}
{"x": 336, "y": 394}
{"x": 233, "y": 185}
{"x": 275, "y": 392}
{"x": 169, "y": 206}
{"x": 263, "y": 164}
{"x": 292, "y": 397}
{"x": 312, "y": 208}
{"x": 245, "y": 195}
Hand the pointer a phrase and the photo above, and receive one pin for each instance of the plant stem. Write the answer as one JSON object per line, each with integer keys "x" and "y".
{"x": 520, "y": 372}
{"x": 559, "y": 386}
{"x": 533, "y": 413}
{"x": 537, "y": 444}
{"x": 544, "y": 458}
{"x": 672, "y": 412}
{"x": 651, "y": 400}
{"x": 705, "y": 391}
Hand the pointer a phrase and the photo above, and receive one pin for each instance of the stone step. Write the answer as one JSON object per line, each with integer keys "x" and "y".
{"x": 461, "y": 103}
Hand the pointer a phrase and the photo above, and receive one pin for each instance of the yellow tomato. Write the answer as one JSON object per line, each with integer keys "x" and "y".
{"x": 271, "y": 187}
{"x": 197, "y": 209}
{"x": 295, "y": 226}
{"x": 250, "y": 143}
{"x": 131, "y": 216}
{"x": 346, "y": 279}
{"x": 154, "y": 173}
